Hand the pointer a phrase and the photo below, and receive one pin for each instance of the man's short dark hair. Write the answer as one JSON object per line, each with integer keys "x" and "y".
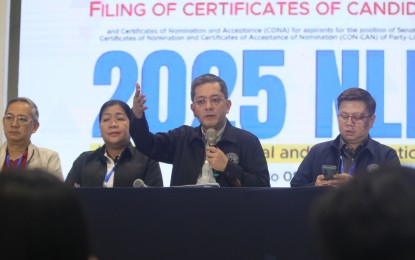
{"x": 372, "y": 217}
{"x": 208, "y": 78}
{"x": 358, "y": 94}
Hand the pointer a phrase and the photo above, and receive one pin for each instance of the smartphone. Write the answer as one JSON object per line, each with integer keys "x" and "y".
{"x": 329, "y": 171}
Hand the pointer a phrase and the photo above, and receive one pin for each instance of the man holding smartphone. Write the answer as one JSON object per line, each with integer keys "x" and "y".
{"x": 353, "y": 152}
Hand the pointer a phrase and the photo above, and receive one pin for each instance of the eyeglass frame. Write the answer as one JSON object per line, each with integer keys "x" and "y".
{"x": 198, "y": 101}
{"x": 8, "y": 119}
{"x": 355, "y": 118}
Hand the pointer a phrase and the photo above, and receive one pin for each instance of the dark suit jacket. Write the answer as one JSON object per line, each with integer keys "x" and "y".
{"x": 328, "y": 153}
{"x": 89, "y": 169}
{"x": 185, "y": 149}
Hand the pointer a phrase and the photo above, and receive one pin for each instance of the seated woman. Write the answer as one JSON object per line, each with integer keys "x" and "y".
{"x": 117, "y": 163}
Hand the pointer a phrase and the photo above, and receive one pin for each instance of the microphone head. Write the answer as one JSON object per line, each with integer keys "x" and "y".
{"x": 211, "y": 137}
{"x": 372, "y": 167}
{"x": 139, "y": 183}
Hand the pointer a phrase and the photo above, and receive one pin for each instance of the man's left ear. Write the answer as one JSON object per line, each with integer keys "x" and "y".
{"x": 228, "y": 105}
{"x": 35, "y": 127}
{"x": 372, "y": 121}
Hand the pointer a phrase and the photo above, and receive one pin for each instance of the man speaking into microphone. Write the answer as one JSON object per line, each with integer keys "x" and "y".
{"x": 214, "y": 152}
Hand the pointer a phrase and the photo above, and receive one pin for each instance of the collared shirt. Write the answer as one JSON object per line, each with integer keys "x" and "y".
{"x": 110, "y": 170}
{"x": 15, "y": 163}
{"x": 348, "y": 156}
{"x": 219, "y": 134}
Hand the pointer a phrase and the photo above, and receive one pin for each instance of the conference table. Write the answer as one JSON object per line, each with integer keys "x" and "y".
{"x": 201, "y": 223}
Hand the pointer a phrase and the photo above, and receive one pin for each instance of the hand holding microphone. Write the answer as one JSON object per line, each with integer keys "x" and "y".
{"x": 216, "y": 158}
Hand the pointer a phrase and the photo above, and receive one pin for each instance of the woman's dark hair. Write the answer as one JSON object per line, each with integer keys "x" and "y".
{"x": 122, "y": 104}
{"x": 41, "y": 218}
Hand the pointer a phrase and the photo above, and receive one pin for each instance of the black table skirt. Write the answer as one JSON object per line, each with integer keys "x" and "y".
{"x": 201, "y": 223}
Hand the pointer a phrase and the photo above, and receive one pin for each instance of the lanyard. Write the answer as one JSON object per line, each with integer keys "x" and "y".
{"x": 108, "y": 176}
{"x": 18, "y": 162}
{"x": 351, "y": 169}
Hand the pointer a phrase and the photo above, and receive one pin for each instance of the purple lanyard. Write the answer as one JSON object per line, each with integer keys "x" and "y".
{"x": 351, "y": 169}
{"x": 8, "y": 161}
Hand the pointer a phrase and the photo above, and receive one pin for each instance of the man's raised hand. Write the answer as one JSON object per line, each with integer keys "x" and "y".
{"x": 138, "y": 102}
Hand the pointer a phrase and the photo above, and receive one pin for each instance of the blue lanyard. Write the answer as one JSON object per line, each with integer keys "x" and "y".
{"x": 108, "y": 176}
{"x": 351, "y": 169}
{"x": 18, "y": 162}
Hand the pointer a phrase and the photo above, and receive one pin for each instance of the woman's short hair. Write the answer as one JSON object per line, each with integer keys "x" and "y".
{"x": 122, "y": 104}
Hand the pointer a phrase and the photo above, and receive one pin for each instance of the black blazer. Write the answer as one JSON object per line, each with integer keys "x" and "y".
{"x": 89, "y": 169}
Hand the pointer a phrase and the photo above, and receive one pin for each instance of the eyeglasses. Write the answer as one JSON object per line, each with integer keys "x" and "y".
{"x": 213, "y": 100}
{"x": 21, "y": 120}
{"x": 355, "y": 118}
{"x": 117, "y": 119}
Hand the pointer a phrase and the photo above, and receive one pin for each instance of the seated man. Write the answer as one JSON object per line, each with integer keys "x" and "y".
{"x": 372, "y": 217}
{"x": 117, "y": 163}
{"x": 20, "y": 121}
{"x": 353, "y": 151}
{"x": 214, "y": 152}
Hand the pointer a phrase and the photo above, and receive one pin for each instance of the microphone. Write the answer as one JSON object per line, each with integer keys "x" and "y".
{"x": 201, "y": 185}
{"x": 139, "y": 183}
{"x": 211, "y": 137}
{"x": 372, "y": 168}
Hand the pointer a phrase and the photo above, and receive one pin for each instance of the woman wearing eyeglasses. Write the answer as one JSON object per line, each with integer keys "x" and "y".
{"x": 20, "y": 121}
{"x": 117, "y": 163}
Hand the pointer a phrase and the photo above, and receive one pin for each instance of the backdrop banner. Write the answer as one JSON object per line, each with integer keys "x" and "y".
{"x": 284, "y": 63}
